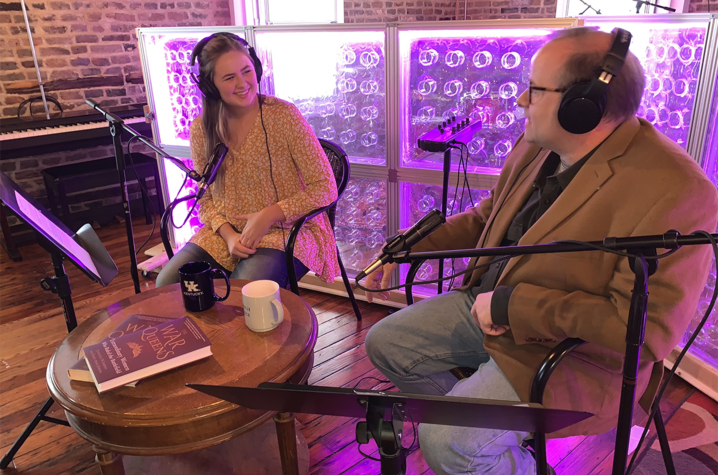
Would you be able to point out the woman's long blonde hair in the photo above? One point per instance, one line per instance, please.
(215, 117)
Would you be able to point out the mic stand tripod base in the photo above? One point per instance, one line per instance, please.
(387, 435)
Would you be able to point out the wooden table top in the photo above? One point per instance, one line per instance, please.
(240, 357)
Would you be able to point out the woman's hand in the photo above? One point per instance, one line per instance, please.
(258, 225)
(379, 279)
(236, 248)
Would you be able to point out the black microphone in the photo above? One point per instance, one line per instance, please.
(404, 242)
(211, 169)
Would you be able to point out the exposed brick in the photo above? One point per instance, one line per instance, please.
(184, 5)
(58, 40)
(59, 6)
(31, 64)
(98, 28)
(87, 39)
(54, 30)
(176, 16)
(71, 95)
(78, 27)
(118, 5)
(105, 49)
(115, 92)
(202, 5)
(150, 6)
(8, 65)
(14, 100)
(38, 6)
(121, 59)
(64, 74)
(8, 166)
(167, 6)
(56, 62)
(71, 17)
(93, 93)
(116, 38)
(151, 16)
(54, 51)
(129, 47)
(79, 49)
(27, 164)
(199, 15)
(100, 61)
(89, 72)
(121, 16)
(115, 70)
(93, 16)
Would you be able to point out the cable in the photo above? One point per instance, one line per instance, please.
(659, 394)
(146, 193)
(380, 381)
(271, 172)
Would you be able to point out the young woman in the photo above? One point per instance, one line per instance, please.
(274, 173)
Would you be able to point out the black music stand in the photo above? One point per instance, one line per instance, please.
(83, 249)
(385, 412)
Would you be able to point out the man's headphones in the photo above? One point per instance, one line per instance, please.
(205, 84)
(584, 103)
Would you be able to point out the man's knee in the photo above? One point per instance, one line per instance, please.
(375, 342)
(437, 448)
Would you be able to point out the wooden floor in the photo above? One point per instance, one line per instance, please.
(32, 327)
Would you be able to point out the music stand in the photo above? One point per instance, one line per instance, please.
(83, 249)
(385, 412)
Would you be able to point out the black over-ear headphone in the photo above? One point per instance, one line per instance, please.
(584, 103)
(204, 83)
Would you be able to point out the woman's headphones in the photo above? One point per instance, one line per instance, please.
(204, 83)
(584, 103)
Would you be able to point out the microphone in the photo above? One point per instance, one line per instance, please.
(211, 169)
(403, 242)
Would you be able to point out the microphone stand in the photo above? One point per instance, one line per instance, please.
(117, 126)
(641, 246)
(640, 3)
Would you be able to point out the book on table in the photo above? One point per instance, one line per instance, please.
(152, 350)
(81, 372)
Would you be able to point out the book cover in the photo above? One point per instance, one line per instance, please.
(152, 350)
(80, 372)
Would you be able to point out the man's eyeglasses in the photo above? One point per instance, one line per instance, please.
(545, 89)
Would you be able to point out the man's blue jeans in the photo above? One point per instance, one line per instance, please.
(416, 348)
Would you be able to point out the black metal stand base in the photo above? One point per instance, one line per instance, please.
(387, 435)
(59, 284)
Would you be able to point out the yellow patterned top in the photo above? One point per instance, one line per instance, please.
(304, 181)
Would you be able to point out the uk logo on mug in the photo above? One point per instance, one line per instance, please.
(197, 280)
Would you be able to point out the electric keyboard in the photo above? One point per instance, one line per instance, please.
(23, 138)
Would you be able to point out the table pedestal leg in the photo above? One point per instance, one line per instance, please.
(110, 463)
(287, 443)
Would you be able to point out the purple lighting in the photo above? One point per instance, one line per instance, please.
(479, 74)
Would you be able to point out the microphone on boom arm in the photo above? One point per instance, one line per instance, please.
(404, 242)
(213, 166)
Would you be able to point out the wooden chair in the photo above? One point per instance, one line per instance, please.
(548, 365)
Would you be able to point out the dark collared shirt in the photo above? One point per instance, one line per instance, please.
(548, 186)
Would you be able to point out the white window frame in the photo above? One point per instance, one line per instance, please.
(681, 6)
(256, 12)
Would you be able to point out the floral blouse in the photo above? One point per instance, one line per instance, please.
(302, 175)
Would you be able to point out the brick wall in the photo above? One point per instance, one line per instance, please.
(84, 50)
(703, 6)
(431, 10)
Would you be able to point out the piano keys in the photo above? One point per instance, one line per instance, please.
(88, 128)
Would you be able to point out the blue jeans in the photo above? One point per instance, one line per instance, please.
(265, 264)
(416, 348)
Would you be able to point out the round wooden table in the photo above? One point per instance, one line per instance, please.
(161, 416)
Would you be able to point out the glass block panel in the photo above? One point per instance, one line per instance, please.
(337, 80)
(416, 201)
(360, 226)
(671, 55)
(476, 73)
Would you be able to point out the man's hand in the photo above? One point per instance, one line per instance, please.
(379, 279)
(236, 248)
(481, 311)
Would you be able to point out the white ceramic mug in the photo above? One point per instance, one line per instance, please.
(263, 309)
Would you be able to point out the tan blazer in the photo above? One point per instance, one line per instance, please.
(637, 183)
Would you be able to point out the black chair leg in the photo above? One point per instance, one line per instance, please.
(348, 286)
(663, 441)
(539, 446)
